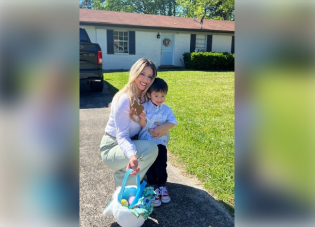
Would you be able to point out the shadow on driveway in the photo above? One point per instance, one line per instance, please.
(189, 207)
(90, 99)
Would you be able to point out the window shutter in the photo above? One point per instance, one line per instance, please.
(110, 41)
(132, 42)
(192, 42)
(209, 43)
(232, 46)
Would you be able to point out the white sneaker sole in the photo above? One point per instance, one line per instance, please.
(166, 200)
(157, 204)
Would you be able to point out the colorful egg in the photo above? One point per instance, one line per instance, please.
(131, 198)
(124, 203)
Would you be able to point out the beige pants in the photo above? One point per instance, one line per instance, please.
(115, 159)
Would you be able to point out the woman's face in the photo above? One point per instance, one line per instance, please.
(144, 79)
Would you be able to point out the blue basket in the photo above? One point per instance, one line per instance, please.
(125, 193)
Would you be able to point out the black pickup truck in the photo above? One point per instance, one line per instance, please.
(90, 62)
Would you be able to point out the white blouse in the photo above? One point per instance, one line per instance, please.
(121, 126)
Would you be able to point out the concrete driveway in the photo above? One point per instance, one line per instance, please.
(191, 205)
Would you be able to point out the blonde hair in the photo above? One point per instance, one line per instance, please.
(131, 87)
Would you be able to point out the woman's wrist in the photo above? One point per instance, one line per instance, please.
(130, 153)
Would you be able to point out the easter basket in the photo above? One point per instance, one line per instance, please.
(137, 203)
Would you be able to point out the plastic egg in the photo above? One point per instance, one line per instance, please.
(124, 203)
(131, 198)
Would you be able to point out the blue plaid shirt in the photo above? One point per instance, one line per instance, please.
(161, 114)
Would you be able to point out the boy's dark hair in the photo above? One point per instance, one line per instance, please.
(158, 85)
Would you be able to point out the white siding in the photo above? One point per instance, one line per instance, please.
(182, 45)
(101, 39)
(148, 46)
(221, 43)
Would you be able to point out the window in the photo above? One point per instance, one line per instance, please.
(84, 36)
(200, 43)
(121, 42)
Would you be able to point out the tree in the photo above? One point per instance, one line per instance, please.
(144, 6)
(167, 7)
(224, 10)
(211, 9)
(157, 7)
(86, 4)
(98, 4)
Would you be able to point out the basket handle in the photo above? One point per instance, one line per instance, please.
(138, 194)
(129, 171)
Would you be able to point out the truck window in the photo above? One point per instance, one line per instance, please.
(84, 36)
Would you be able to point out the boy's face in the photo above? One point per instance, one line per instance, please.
(157, 97)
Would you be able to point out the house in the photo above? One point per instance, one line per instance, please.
(126, 37)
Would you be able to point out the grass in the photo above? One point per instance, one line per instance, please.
(203, 140)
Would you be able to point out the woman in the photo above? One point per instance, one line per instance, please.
(119, 149)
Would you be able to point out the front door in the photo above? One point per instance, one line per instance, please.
(167, 49)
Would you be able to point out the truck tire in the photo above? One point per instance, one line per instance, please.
(97, 86)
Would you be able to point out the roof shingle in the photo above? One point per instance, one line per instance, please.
(147, 20)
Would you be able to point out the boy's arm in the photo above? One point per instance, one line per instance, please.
(162, 129)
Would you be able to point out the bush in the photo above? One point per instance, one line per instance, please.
(209, 61)
(187, 60)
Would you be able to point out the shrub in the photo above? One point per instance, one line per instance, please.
(209, 61)
(187, 60)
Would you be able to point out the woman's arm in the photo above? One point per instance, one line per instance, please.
(122, 122)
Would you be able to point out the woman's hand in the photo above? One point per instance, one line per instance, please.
(160, 130)
(142, 115)
(133, 164)
(142, 120)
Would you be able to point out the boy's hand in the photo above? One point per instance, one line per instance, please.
(160, 130)
(156, 133)
(142, 115)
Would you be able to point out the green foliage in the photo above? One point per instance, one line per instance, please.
(166, 7)
(187, 60)
(86, 4)
(161, 7)
(211, 9)
(209, 61)
(98, 4)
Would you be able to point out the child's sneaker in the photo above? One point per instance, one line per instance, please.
(157, 201)
(165, 197)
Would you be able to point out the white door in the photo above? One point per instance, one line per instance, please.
(167, 49)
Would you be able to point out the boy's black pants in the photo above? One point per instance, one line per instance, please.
(157, 175)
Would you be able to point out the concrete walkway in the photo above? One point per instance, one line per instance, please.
(191, 205)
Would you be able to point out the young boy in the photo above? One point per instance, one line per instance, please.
(155, 111)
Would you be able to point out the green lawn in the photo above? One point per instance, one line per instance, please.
(203, 140)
